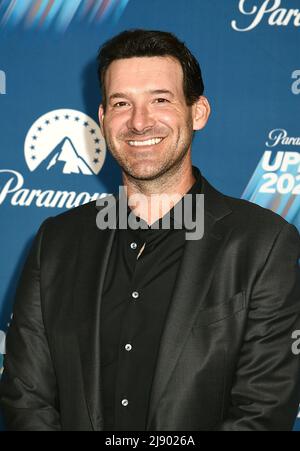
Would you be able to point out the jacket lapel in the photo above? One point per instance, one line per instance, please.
(93, 257)
(195, 276)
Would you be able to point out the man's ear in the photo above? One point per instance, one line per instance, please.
(201, 113)
(101, 118)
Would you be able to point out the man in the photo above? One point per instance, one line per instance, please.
(143, 329)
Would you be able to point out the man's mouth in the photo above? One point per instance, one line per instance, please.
(149, 142)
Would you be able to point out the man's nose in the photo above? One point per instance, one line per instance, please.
(140, 119)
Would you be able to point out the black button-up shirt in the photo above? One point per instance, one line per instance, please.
(137, 292)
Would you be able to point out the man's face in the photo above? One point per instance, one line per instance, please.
(147, 125)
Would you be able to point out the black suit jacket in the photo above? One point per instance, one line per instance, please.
(225, 360)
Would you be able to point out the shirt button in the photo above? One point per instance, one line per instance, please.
(125, 402)
(135, 294)
(133, 245)
(128, 347)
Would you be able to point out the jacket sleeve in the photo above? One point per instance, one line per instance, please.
(28, 393)
(266, 391)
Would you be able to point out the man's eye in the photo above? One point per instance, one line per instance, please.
(119, 104)
(161, 100)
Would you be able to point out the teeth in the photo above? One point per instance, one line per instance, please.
(150, 142)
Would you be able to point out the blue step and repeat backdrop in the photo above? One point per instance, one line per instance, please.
(52, 154)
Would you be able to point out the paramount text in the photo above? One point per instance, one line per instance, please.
(12, 190)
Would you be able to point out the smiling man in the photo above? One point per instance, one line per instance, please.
(124, 329)
(147, 129)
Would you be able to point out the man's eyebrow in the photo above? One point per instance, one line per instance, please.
(162, 91)
(118, 95)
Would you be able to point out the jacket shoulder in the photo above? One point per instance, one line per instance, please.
(70, 224)
(255, 215)
(258, 228)
(84, 212)
(245, 215)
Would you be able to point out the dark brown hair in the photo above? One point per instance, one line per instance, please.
(141, 43)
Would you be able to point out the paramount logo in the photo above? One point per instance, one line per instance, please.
(279, 136)
(66, 142)
(67, 160)
(269, 9)
(12, 190)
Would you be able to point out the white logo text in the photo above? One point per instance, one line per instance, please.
(280, 17)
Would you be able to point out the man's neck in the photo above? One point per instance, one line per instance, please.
(151, 200)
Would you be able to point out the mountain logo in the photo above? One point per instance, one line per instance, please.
(65, 141)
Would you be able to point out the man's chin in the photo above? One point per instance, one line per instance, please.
(144, 172)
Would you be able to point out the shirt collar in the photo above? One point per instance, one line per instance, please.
(195, 189)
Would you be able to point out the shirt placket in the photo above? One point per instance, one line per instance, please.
(124, 399)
